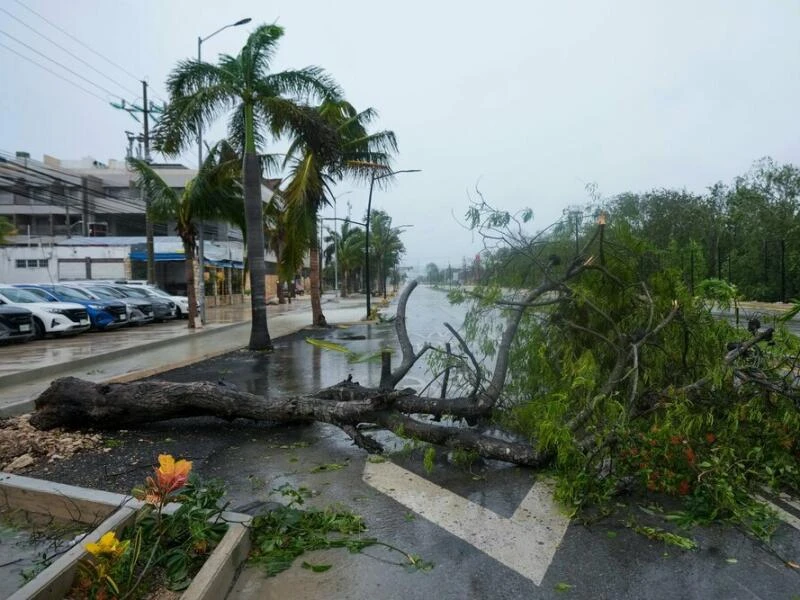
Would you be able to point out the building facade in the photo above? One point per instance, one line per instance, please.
(86, 220)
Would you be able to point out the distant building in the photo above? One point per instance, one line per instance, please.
(79, 219)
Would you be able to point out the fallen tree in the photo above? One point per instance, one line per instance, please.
(602, 367)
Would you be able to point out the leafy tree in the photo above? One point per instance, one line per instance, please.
(214, 194)
(260, 103)
(622, 376)
(432, 272)
(315, 168)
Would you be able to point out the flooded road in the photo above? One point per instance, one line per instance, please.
(297, 367)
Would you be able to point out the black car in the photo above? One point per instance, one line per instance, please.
(16, 324)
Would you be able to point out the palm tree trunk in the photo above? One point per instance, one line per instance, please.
(259, 334)
(188, 252)
(317, 318)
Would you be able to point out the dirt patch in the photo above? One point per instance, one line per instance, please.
(22, 445)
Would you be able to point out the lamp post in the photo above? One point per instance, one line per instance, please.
(201, 237)
(372, 181)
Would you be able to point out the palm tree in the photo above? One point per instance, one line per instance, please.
(386, 246)
(6, 229)
(288, 259)
(260, 103)
(214, 194)
(314, 168)
(349, 249)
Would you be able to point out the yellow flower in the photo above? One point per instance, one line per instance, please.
(172, 474)
(108, 545)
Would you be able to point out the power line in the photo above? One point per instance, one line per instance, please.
(72, 37)
(68, 34)
(72, 54)
(41, 66)
(66, 68)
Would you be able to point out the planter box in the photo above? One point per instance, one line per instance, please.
(113, 512)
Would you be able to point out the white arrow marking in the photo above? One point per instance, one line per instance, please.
(526, 542)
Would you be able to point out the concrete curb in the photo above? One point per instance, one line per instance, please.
(71, 366)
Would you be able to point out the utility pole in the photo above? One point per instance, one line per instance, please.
(147, 111)
(148, 220)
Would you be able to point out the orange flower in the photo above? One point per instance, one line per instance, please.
(711, 438)
(683, 487)
(171, 474)
(690, 456)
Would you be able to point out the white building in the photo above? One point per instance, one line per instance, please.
(86, 220)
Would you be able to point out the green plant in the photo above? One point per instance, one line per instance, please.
(283, 534)
(160, 546)
(429, 459)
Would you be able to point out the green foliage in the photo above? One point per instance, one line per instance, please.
(429, 459)
(283, 534)
(656, 533)
(745, 232)
(6, 230)
(620, 373)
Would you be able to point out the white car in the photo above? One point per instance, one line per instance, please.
(48, 317)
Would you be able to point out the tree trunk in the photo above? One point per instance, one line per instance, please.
(191, 294)
(259, 334)
(317, 318)
(281, 293)
(72, 402)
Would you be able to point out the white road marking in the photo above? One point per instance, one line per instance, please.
(526, 542)
(784, 515)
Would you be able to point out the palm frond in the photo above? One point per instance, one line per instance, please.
(301, 122)
(216, 192)
(198, 92)
(164, 201)
(305, 84)
(259, 50)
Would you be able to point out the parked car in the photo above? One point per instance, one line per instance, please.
(16, 324)
(48, 317)
(163, 308)
(104, 314)
(181, 302)
(140, 312)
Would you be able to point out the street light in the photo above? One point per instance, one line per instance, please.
(201, 237)
(372, 181)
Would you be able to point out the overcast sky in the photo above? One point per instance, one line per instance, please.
(529, 99)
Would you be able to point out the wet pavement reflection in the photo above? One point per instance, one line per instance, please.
(297, 367)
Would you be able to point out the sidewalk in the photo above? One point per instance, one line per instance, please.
(127, 354)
